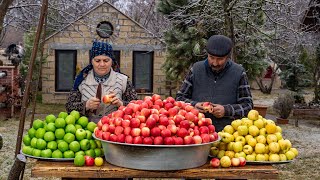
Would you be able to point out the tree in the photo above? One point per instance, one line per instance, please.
(4, 5)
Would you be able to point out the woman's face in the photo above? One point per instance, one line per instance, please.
(102, 64)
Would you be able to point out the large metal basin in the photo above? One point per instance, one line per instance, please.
(156, 157)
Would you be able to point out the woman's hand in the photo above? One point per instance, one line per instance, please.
(115, 100)
(218, 110)
(93, 103)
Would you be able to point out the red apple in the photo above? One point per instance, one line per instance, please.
(135, 123)
(182, 112)
(127, 131)
(106, 99)
(118, 130)
(166, 133)
(195, 112)
(190, 116)
(105, 127)
(235, 162)
(151, 122)
(128, 139)
(188, 108)
(118, 113)
(172, 128)
(162, 127)
(121, 138)
(242, 161)
(105, 120)
(215, 162)
(112, 127)
(125, 123)
(163, 120)
(139, 101)
(128, 111)
(177, 140)
(99, 125)
(162, 111)
(168, 141)
(197, 139)
(212, 128)
(178, 118)
(155, 97)
(121, 108)
(117, 121)
(137, 140)
(89, 161)
(144, 105)
(185, 124)
(188, 140)
(207, 107)
(98, 133)
(182, 132)
(158, 140)
(204, 130)
(156, 107)
(173, 111)
(205, 138)
(155, 131)
(145, 112)
(135, 132)
(168, 106)
(147, 140)
(170, 99)
(113, 138)
(145, 131)
(159, 103)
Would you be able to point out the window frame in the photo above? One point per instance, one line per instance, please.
(74, 52)
(134, 54)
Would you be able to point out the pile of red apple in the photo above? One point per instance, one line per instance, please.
(158, 122)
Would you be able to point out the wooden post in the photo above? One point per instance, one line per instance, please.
(39, 73)
(29, 75)
(17, 168)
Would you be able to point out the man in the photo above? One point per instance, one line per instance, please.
(220, 81)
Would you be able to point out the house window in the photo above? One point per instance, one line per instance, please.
(65, 69)
(143, 71)
(104, 29)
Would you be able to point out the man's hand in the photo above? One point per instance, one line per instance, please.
(93, 103)
(115, 100)
(218, 110)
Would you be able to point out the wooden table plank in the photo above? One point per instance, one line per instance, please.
(68, 170)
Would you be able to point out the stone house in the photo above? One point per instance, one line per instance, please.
(139, 53)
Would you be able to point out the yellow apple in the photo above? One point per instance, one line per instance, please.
(266, 149)
(271, 138)
(283, 157)
(247, 137)
(226, 137)
(223, 146)
(230, 146)
(246, 122)
(221, 154)
(261, 139)
(290, 155)
(269, 121)
(240, 154)
(215, 144)
(295, 151)
(285, 145)
(259, 148)
(252, 142)
(229, 129)
(267, 156)
(236, 134)
(225, 161)
(250, 157)
(271, 128)
(236, 123)
(279, 129)
(259, 123)
(274, 157)
(274, 147)
(279, 135)
(260, 157)
(243, 130)
(263, 131)
(254, 130)
(241, 139)
(253, 115)
(237, 146)
(230, 154)
(247, 149)
(214, 151)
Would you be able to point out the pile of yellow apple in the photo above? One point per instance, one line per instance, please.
(254, 138)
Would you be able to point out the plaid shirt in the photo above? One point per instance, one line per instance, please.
(239, 110)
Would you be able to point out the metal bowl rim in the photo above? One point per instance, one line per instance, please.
(164, 146)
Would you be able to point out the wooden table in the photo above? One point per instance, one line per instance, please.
(68, 170)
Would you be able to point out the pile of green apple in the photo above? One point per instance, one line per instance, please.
(64, 136)
(254, 138)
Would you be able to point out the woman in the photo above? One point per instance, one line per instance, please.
(99, 79)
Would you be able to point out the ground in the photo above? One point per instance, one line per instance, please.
(306, 138)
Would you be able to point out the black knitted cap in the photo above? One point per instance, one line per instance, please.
(219, 45)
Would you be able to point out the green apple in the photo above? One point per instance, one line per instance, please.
(63, 146)
(70, 119)
(259, 148)
(237, 146)
(63, 115)
(40, 133)
(60, 123)
(243, 130)
(68, 154)
(47, 153)
(98, 152)
(36, 153)
(274, 147)
(41, 144)
(75, 114)
(89, 134)
(83, 121)
(33, 142)
(274, 157)
(31, 132)
(214, 151)
(84, 144)
(78, 126)
(26, 140)
(236, 123)
(50, 118)
(254, 130)
(81, 134)
(59, 133)
(70, 128)
(228, 129)
(93, 144)
(91, 126)
(27, 150)
(79, 160)
(80, 153)
(37, 124)
(49, 136)
(50, 127)
(74, 146)
(271, 138)
(57, 154)
(247, 149)
(90, 152)
(261, 139)
(53, 145)
(69, 137)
